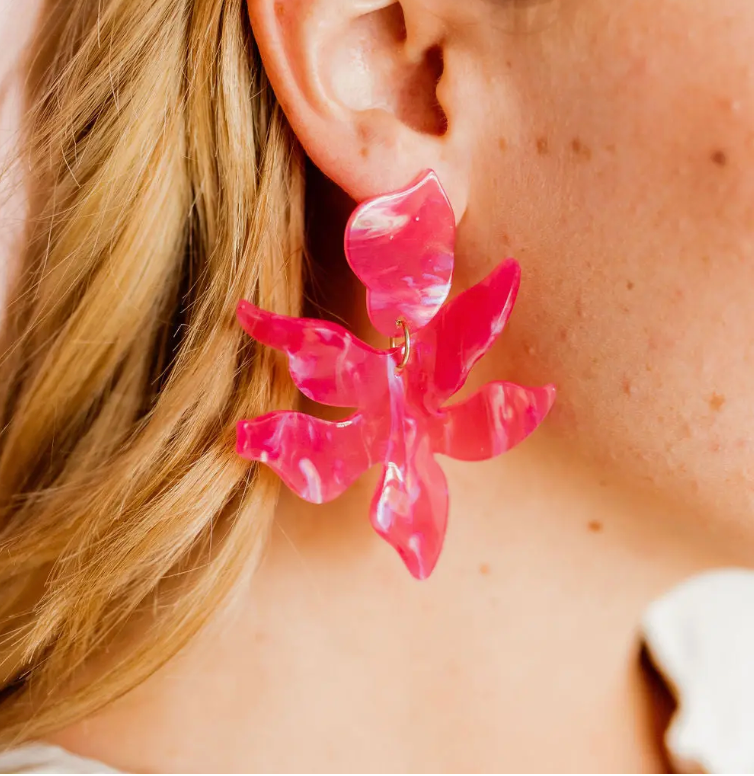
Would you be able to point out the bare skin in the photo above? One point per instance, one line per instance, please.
(608, 147)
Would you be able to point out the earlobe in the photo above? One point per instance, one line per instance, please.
(358, 81)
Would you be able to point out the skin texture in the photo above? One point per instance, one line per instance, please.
(607, 146)
(646, 234)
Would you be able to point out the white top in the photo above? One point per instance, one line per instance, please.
(701, 638)
(43, 758)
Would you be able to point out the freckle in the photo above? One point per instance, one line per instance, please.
(365, 132)
(720, 158)
(503, 144)
(706, 261)
(509, 64)
(579, 308)
(484, 569)
(726, 103)
(280, 10)
(610, 148)
(686, 431)
(364, 151)
(594, 526)
(543, 146)
(563, 334)
(630, 285)
(260, 638)
(581, 150)
(716, 402)
(603, 483)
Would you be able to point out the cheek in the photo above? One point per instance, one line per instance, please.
(626, 194)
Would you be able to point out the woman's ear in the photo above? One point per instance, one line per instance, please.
(361, 84)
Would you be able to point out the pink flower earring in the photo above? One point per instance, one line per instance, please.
(401, 248)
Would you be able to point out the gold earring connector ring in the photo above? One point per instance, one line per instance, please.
(406, 349)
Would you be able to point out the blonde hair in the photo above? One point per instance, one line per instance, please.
(166, 185)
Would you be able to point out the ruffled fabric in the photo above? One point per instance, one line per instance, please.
(700, 637)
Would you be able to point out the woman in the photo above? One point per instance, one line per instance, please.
(181, 155)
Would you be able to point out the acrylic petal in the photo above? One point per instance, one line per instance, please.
(492, 421)
(401, 248)
(327, 363)
(410, 508)
(463, 331)
(316, 459)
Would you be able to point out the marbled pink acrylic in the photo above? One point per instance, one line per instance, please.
(401, 247)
